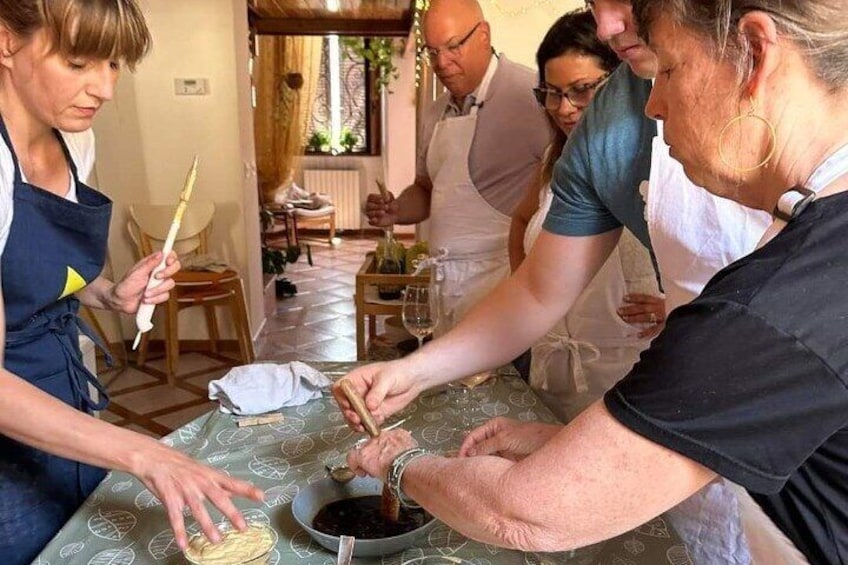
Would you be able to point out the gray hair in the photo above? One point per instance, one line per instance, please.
(818, 27)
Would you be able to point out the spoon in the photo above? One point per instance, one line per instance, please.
(341, 473)
(345, 550)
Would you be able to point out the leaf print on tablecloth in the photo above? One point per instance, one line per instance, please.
(217, 457)
(40, 561)
(528, 416)
(297, 446)
(146, 499)
(335, 435)
(436, 400)
(273, 557)
(124, 556)
(122, 486)
(432, 416)
(410, 555)
(303, 545)
(634, 546)
(188, 433)
(492, 549)
(163, 545)
(256, 516)
(94, 500)
(493, 409)
(71, 549)
(524, 399)
(290, 426)
(446, 540)
(282, 494)
(437, 435)
(274, 468)
(311, 408)
(335, 417)
(656, 528)
(111, 524)
(619, 560)
(678, 555)
(539, 559)
(169, 441)
(232, 436)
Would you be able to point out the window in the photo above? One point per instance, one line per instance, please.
(344, 115)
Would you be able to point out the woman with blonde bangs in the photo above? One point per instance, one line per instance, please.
(59, 62)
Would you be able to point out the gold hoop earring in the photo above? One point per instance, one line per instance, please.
(737, 119)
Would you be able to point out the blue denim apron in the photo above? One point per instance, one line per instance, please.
(55, 248)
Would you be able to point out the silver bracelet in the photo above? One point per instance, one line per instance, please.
(395, 474)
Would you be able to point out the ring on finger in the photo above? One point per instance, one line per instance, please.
(653, 318)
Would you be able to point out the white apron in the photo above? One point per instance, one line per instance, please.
(694, 233)
(592, 348)
(472, 232)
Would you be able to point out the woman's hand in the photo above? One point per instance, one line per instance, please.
(644, 309)
(381, 212)
(131, 291)
(507, 438)
(375, 457)
(385, 388)
(179, 482)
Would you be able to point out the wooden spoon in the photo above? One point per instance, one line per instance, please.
(390, 507)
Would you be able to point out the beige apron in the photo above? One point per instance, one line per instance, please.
(470, 234)
(592, 348)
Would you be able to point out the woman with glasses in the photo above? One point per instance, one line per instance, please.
(592, 347)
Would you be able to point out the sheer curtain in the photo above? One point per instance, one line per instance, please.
(286, 79)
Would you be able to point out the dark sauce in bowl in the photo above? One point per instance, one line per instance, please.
(360, 517)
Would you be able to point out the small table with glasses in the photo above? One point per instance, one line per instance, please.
(369, 305)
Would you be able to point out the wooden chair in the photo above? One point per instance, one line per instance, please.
(325, 215)
(148, 227)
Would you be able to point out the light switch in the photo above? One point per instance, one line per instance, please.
(191, 86)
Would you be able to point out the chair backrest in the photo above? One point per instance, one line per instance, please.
(149, 225)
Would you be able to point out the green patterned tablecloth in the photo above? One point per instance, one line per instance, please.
(122, 523)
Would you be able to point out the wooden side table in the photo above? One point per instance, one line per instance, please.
(367, 280)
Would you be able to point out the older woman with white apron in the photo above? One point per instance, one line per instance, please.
(471, 233)
(695, 234)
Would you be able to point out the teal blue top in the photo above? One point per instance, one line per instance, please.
(596, 180)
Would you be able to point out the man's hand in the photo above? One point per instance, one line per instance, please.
(381, 212)
(180, 482)
(507, 438)
(385, 388)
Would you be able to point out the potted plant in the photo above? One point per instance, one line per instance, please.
(274, 260)
(348, 140)
(319, 142)
(377, 51)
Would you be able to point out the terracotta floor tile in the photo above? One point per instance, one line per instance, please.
(127, 378)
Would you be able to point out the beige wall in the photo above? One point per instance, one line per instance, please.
(517, 34)
(147, 136)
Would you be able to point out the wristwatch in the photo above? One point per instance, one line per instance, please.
(395, 474)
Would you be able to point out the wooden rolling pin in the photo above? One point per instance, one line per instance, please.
(390, 507)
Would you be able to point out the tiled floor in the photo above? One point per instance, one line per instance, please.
(317, 324)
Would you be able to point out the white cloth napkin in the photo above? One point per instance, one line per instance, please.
(263, 387)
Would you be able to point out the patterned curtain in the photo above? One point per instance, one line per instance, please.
(286, 79)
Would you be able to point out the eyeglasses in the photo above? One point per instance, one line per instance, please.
(452, 50)
(578, 96)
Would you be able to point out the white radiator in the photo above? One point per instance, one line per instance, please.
(343, 188)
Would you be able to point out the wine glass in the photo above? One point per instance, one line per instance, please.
(420, 313)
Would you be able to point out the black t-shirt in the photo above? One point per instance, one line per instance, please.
(749, 379)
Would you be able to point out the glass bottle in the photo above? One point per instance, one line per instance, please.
(388, 263)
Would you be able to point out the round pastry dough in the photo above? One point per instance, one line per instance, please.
(250, 546)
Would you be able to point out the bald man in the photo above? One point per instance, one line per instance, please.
(481, 143)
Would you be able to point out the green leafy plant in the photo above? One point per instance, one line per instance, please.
(348, 140)
(319, 141)
(377, 51)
